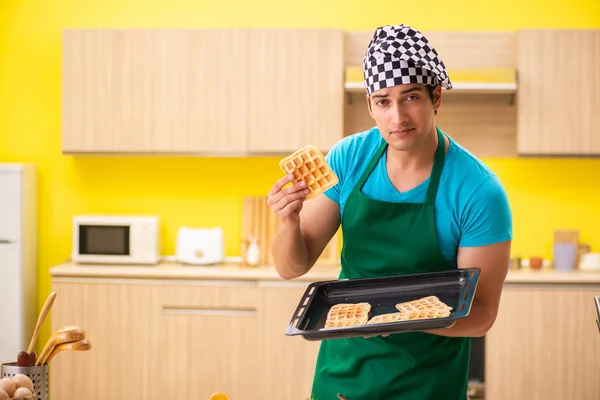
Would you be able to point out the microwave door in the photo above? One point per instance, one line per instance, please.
(110, 240)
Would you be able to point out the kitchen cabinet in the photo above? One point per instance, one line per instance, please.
(155, 339)
(288, 361)
(296, 92)
(121, 322)
(558, 92)
(186, 332)
(544, 345)
(201, 91)
(154, 90)
(208, 340)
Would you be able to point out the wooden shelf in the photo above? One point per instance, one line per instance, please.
(458, 87)
(464, 80)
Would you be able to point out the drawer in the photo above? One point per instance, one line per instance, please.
(214, 297)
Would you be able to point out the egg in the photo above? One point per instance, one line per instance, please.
(23, 393)
(8, 385)
(4, 395)
(23, 381)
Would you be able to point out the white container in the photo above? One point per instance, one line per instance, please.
(253, 252)
(590, 262)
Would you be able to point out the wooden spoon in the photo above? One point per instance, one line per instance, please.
(80, 345)
(27, 359)
(66, 334)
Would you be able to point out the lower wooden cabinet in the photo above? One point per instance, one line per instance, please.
(545, 344)
(286, 362)
(157, 340)
(182, 341)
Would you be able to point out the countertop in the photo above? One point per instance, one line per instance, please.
(320, 272)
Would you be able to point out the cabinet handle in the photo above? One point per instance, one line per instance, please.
(5, 241)
(209, 311)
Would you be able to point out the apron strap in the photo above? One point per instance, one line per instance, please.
(371, 165)
(438, 165)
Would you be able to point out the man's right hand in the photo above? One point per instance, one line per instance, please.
(287, 203)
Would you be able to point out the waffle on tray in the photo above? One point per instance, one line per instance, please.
(410, 316)
(423, 304)
(347, 314)
(308, 164)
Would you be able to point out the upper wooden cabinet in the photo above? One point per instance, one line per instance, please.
(296, 89)
(558, 102)
(201, 91)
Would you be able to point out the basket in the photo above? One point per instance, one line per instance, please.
(38, 375)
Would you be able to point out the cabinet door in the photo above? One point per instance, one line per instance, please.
(154, 90)
(208, 340)
(558, 92)
(544, 345)
(119, 322)
(289, 377)
(295, 89)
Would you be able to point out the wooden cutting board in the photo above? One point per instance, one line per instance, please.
(260, 222)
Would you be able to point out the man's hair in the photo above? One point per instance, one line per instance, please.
(430, 89)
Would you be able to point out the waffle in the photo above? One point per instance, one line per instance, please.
(383, 318)
(308, 164)
(410, 316)
(345, 314)
(423, 304)
(425, 314)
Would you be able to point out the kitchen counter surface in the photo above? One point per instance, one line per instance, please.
(321, 272)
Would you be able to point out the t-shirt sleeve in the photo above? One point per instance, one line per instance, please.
(487, 218)
(336, 159)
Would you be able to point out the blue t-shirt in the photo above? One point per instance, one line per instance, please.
(471, 206)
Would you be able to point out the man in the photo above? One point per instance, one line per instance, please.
(410, 199)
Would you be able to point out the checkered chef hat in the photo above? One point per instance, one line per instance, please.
(400, 55)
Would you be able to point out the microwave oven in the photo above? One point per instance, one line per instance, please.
(114, 239)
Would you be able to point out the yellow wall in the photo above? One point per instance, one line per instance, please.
(545, 194)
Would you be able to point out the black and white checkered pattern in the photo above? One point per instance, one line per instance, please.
(398, 55)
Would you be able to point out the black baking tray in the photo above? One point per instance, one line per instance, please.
(454, 287)
(597, 304)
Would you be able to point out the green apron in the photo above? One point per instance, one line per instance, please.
(382, 239)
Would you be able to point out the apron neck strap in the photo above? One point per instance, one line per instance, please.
(438, 164)
(371, 166)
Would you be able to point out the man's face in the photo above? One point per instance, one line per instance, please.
(404, 114)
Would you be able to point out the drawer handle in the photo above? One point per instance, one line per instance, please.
(209, 311)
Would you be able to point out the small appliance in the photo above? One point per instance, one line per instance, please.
(116, 239)
(200, 246)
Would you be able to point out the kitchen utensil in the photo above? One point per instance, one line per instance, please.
(63, 335)
(455, 287)
(80, 345)
(597, 304)
(200, 246)
(536, 262)
(27, 359)
(565, 256)
(253, 252)
(590, 262)
(39, 375)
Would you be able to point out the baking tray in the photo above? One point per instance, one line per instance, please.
(454, 287)
(597, 304)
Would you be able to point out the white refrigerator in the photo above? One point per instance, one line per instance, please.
(18, 258)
